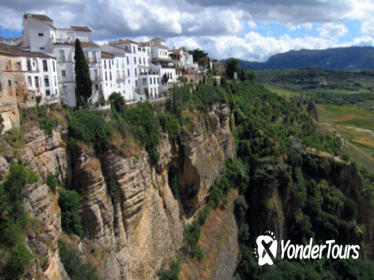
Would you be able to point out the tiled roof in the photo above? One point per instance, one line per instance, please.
(38, 17)
(81, 28)
(158, 39)
(144, 44)
(14, 51)
(106, 55)
(126, 41)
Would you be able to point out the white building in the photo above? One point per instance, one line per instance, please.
(36, 71)
(40, 34)
(135, 70)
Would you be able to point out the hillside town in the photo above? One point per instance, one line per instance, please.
(38, 68)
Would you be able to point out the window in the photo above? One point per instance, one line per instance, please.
(123, 73)
(55, 81)
(45, 66)
(110, 75)
(28, 65)
(135, 60)
(106, 76)
(62, 55)
(40, 34)
(128, 61)
(63, 73)
(140, 60)
(37, 82)
(9, 83)
(54, 66)
(128, 72)
(15, 83)
(46, 81)
(42, 48)
(136, 73)
(118, 76)
(150, 81)
(133, 48)
(1, 87)
(143, 61)
(48, 92)
(144, 81)
(104, 64)
(29, 81)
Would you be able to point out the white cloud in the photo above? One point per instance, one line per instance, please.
(253, 46)
(367, 27)
(252, 24)
(332, 30)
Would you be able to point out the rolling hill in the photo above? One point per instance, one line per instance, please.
(335, 58)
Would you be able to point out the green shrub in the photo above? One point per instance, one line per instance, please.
(117, 102)
(170, 124)
(171, 273)
(203, 214)
(69, 201)
(18, 260)
(349, 209)
(47, 125)
(89, 127)
(240, 207)
(74, 266)
(145, 128)
(52, 181)
(14, 219)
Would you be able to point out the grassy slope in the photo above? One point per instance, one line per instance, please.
(354, 123)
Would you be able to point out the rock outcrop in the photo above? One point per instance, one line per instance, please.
(132, 224)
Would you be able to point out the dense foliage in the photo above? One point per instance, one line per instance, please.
(69, 201)
(171, 273)
(89, 127)
(271, 137)
(52, 181)
(141, 121)
(74, 266)
(82, 76)
(13, 221)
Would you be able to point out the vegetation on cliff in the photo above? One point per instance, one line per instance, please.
(13, 222)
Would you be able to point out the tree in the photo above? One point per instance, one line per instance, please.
(231, 67)
(200, 56)
(164, 79)
(83, 88)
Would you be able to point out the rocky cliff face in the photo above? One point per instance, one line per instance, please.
(133, 225)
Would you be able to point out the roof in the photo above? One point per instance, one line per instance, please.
(38, 17)
(81, 28)
(14, 51)
(120, 42)
(157, 39)
(144, 44)
(161, 59)
(106, 55)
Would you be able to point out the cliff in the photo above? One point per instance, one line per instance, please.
(132, 224)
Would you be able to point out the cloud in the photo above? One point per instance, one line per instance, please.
(332, 30)
(223, 28)
(253, 46)
(367, 27)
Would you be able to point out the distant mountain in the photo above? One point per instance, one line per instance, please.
(336, 58)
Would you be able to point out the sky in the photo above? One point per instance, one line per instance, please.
(247, 29)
